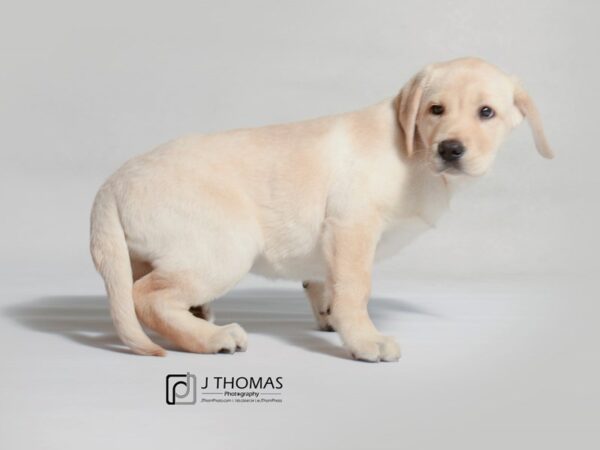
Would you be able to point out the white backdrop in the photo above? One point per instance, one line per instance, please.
(83, 87)
(86, 87)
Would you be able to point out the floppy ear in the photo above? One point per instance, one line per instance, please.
(408, 104)
(525, 105)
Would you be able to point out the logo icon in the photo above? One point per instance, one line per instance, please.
(181, 389)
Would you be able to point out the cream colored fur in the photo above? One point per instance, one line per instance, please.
(317, 201)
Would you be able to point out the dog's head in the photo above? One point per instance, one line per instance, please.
(459, 112)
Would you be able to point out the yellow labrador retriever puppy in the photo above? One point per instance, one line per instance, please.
(317, 201)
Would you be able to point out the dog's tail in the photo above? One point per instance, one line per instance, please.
(111, 258)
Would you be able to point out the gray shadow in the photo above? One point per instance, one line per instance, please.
(282, 314)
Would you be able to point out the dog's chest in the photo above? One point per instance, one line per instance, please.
(422, 210)
(399, 235)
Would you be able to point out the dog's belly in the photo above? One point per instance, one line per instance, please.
(300, 269)
(312, 265)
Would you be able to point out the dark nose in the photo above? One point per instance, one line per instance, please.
(451, 150)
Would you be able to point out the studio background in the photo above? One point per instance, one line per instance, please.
(494, 308)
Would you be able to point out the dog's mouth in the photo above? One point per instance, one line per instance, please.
(455, 168)
(452, 169)
(448, 168)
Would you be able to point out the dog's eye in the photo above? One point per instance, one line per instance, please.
(485, 112)
(436, 110)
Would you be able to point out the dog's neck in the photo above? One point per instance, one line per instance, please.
(431, 191)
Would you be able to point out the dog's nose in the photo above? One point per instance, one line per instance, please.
(451, 150)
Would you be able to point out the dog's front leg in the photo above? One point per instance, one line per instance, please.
(349, 250)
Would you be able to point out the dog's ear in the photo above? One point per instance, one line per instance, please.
(408, 103)
(527, 108)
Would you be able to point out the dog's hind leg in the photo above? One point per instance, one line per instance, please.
(139, 268)
(162, 303)
(315, 291)
(203, 312)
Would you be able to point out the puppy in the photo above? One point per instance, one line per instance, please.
(317, 201)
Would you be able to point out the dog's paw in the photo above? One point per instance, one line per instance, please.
(374, 349)
(229, 339)
(323, 320)
(314, 291)
(325, 326)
